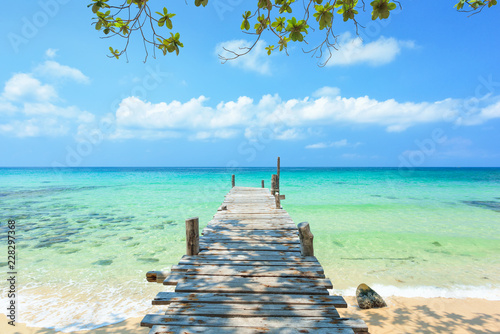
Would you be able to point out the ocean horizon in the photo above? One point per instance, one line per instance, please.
(86, 236)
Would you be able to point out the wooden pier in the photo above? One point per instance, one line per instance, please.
(249, 273)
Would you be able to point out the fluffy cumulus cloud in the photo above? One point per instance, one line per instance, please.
(273, 117)
(31, 108)
(352, 51)
(255, 61)
(22, 86)
(53, 69)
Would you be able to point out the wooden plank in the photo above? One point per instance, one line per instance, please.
(249, 256)
(250, 253)
(270, 285)
(270, 233)
(209, 232)
(254, 271)
(190, 329)
(264, 215)
(254, 223)
(253, 310)
(263, 322)
(247, 240)
(250, 264)
(251, 227)
(249, 246)
(165, 298)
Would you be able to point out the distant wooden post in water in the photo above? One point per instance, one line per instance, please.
(233, 181)
(192, 236)
(306, 239)
(263, 184)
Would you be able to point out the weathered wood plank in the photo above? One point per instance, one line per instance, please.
(248, 264)
(165, 298)
(247, 240)
(270, 285)
(249, 256)
(209, 232)
(253, 227)
(262, 322)
(251, 271)
(240, 310)
(173, 329)
(249, 246)
(250, 253)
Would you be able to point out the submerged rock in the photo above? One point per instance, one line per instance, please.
(126, 238)
(148, 260)
(368, 298)
(492, 205)
(437, 244)
(103, 262)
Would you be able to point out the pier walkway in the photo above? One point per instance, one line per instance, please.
(248, 277)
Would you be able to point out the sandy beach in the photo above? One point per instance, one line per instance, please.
(403, 315)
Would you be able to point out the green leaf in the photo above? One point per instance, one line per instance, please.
(381, 9)
(200, 2)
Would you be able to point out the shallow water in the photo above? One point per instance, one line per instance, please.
(86, 237)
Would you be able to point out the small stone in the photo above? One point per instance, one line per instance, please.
(126, 238)
(368, 298)
(437, 244)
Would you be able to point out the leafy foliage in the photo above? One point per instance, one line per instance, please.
(280, 18)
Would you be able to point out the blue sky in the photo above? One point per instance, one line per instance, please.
(420, 89)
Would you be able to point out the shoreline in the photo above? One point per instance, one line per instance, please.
(403, 315)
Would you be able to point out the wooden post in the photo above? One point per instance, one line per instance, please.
(233, 181)
(192, 236)
(278, 176)
(263, 184)
(306, 239)
(277, 200)
(273, 184)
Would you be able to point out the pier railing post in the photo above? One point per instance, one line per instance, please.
(263, 184)
(273, 184)
(233, 181)
(306, 239)
(278, 176)
(192, 236)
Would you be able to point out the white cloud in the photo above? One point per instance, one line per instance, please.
(327, 92)
(192, 114)
(51, 53)
(23, 86)
(218, 134)
(31, 108)
(255, 61)
(274, 118)
(35, 127)
(336, 144)
(53, 69)
(352, 50)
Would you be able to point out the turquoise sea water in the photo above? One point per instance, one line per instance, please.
(87, 236)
